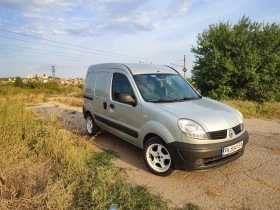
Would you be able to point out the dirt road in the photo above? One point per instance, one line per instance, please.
(251, 182)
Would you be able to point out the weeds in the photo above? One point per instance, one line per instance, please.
(249, 109)
(43, 166)
(72, 101)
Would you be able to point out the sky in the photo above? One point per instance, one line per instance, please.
(72, 35)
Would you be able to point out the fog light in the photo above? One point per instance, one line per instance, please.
(199, 162)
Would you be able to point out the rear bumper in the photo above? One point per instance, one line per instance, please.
(195, 157)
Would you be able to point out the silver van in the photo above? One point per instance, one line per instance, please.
(154, 108)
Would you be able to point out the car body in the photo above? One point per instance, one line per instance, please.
(154, 108)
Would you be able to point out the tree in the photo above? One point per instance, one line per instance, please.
(240, 61)
(18, 82)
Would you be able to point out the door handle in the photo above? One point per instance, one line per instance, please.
(112, 106)
(105, 105)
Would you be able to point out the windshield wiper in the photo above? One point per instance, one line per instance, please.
(188, 98)
(162, 100)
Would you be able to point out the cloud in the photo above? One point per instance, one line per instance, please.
(81, 32)
(115, 8)
(183, 6)
(113, 1)
(59, 32)
(124, 16)
(37, 4)
(79, 19)
(60, 19)
(179, 8)
(28, 15)
(37, 16)
(130, 24)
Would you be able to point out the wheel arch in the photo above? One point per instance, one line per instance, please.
(151, 135)
(86, 113)
(153, 128)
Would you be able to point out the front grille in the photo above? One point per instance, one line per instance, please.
(222, 134)
(237, 129)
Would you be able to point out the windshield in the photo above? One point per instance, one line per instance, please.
(164, 88)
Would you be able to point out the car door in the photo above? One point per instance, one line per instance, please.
(126, 119)
(100, 99)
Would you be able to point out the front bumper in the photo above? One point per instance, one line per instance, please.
(192, 157)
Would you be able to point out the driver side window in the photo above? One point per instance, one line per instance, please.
(120, 85)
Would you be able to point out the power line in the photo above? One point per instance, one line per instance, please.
(46, 53)
(51, 45)
(35, 56)
(74, 45)
(176, 65)
(56, 46)
(77, 56)
(54, 58)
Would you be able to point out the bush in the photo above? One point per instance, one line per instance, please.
(240, 61)
(18, 82)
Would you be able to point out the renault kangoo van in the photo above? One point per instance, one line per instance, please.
(154, 108)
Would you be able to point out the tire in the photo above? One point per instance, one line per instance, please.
(91, 126)
(157, 157)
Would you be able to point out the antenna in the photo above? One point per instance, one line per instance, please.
(185, 69)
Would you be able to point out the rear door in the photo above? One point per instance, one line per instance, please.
(126, 120)
(100, 99)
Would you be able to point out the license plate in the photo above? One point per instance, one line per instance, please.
(232, 149)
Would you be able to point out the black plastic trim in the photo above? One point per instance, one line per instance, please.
(172, 68)
(196, 157)
(84, 111)
(117, 126)
(88, 97)
(245, 136)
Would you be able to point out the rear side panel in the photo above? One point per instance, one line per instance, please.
(88, 92)
(100, 97)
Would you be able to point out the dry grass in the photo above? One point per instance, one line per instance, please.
(72, 101)
(29, 98)
(43, 166)
(249, 109)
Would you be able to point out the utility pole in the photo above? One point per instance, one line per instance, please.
(185, 69)
(53, 71)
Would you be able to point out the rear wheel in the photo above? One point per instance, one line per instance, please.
(157, 157)
(91, 126)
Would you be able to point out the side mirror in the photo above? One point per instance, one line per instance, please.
(127, 99)
(199, 91)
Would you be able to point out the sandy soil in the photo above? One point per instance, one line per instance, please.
(251, 182)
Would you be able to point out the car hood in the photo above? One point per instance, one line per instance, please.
(211, 114)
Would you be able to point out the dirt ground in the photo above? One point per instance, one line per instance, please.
(251, 182)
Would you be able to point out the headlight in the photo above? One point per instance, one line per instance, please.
(192, 129)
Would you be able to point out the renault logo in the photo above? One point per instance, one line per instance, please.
(230, 132)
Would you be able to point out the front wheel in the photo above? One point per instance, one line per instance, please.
(92, 128)
(157, 157)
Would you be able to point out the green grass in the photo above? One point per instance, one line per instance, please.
(249, 109)
(43, 166)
